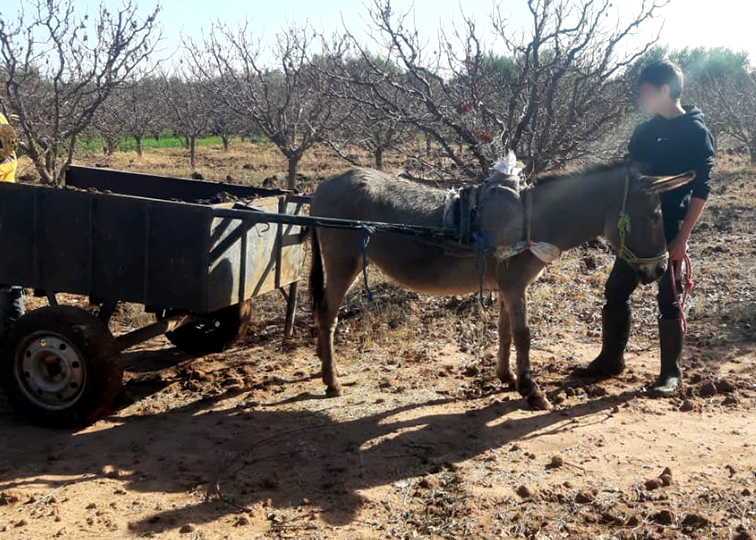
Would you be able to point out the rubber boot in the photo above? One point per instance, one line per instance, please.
(615, 333)
(671, 345)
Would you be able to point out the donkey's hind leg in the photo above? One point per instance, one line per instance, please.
(503, 371)
(340, 273)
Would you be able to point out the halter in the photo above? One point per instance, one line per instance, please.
(623, 227)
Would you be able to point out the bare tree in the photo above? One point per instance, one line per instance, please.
(133, 109)
(370, 128)
(555, 92)
(141, 111)
(723, 83)
(223, 123)
(736, 104)
(57, 67)
(276, 90)
(731, 105)
(188, 105)
(106, 123)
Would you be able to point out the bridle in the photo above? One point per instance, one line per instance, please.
(626, 254)
(623, 227)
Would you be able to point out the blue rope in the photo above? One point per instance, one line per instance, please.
(365, 232)
(480, 243)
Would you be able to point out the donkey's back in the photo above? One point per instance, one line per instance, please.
(370, 195)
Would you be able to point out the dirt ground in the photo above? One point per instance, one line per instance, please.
(425, 444)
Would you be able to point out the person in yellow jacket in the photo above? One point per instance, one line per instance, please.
(8, 144)
(11, 297)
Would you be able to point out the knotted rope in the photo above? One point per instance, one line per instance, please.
(687, 286)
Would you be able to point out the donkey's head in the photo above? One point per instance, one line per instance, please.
(635, 229)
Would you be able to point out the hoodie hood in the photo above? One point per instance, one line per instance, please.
(692, 114)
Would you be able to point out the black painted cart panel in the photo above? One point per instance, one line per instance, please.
(160, 251)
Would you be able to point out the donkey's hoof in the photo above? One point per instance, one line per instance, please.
(507, 378)
(538, 401)
(334, 391)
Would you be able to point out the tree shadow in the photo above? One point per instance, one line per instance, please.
(255, 454)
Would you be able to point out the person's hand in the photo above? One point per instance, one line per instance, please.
(678, 247)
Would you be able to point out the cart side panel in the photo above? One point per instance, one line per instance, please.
(62, 251)
(177, 267)
(292, 255)
(262, 266)
(246, 254)
(241, 254)
(228, 242)
(262, 272)
(16, 234)
(119, 248)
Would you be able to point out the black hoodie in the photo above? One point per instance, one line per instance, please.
(673, 146)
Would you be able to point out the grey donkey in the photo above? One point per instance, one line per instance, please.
(567, 210)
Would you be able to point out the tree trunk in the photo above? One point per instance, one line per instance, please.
(224, 138)
(291, 180)
(378, 154)
(192, 151)
(138, 145)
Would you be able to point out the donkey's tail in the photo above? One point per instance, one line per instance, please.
(317, 288)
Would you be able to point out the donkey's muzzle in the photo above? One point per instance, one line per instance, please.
(648, 273)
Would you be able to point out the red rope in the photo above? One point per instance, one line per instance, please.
(687, 284)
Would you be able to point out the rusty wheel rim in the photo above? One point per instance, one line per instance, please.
(50, 371)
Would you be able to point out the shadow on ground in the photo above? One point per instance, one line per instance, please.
(257, 453)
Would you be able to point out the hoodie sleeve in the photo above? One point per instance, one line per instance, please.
(702, 146)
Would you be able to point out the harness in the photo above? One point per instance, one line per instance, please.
(460, 209)
(544, 251)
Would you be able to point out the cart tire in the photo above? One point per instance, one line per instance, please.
(60, 367)
(216, 335)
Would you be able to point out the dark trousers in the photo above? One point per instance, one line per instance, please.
(623, 281)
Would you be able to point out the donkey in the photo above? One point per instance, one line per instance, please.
(566, 211)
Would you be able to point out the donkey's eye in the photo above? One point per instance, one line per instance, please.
(656, 215)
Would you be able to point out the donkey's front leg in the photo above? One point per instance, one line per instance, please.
(527, 387)
(503, 370)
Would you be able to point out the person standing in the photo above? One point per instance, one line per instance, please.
(673, 141)
(11, 297)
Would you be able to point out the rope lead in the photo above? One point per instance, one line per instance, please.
(687, 286)
(366, 231)
(481, 249)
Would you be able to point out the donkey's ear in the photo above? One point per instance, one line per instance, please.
(659, 184)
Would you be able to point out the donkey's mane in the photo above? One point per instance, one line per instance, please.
(587, 171)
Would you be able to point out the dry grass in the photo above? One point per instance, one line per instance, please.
(245, 163)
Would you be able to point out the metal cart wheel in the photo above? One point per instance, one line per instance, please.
(216, 333)
(60, 367)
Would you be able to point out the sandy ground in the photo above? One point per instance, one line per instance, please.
(425, 444)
